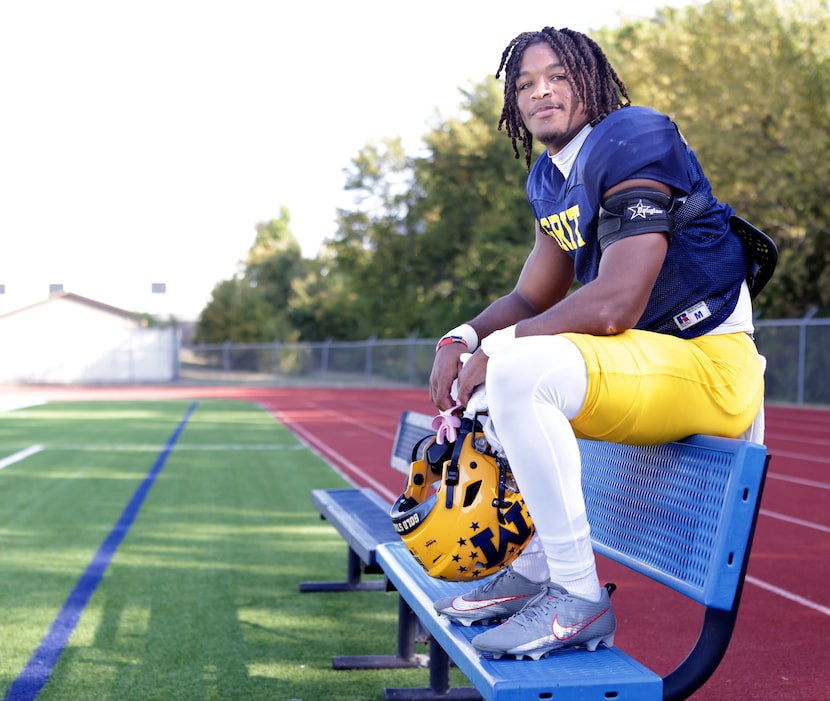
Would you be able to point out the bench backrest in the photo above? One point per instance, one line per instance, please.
(413, 427)
(680, 513)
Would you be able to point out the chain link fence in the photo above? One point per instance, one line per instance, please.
(400, 362)
(797, 352)
(798, 359)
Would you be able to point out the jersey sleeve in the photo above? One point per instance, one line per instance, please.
(636, 142)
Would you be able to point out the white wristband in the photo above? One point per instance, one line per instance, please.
(468, 333)
(498, 339)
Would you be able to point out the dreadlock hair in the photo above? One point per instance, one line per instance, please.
(591, 77)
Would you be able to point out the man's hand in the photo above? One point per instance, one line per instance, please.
(445, 369)
(471, 376)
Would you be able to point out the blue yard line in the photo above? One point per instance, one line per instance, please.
(34, 676)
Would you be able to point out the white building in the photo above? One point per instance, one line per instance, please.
(69, 339)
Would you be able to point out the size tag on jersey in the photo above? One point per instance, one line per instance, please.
(692, 316)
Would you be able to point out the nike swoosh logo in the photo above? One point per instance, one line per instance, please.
(461, 604)
(563, 633)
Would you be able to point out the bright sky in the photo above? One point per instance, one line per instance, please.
(141, 141)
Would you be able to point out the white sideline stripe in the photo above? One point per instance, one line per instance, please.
(20, 455)
(789, 595)
(787, 436)
(147, 447)
(796, 521)
(799, 480)
(20, 403)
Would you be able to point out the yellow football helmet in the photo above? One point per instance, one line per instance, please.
(461, 515)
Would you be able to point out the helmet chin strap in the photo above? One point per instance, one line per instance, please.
(501, 503)
(453, 473)
(451, 477)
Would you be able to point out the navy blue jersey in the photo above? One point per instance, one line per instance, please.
(698, 286)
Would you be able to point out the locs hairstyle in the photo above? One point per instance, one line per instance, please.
(591, 77)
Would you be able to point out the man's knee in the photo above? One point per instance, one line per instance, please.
(549, 369)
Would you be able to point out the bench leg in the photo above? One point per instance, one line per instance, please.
(408, 631)
(439, 682)
(353, 582)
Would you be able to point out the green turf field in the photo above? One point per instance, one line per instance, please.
(200, 599)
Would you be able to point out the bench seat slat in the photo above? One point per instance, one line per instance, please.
(360, 516)
(569, 675)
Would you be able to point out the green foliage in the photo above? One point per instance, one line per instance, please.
(275, 261)
(478, 228)
(253, 307)
(436, 237)
(238, 312)
(323, 305)
(376, 246)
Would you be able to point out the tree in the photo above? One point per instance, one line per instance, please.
(376, 245)
(274, 261)
(435, 238)
(432, 239)
(478, 225)
(236, 312)
(254, 307)
(324, 305)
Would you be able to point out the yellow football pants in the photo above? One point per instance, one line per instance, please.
(647, 388)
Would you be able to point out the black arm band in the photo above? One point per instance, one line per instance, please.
(634, 212)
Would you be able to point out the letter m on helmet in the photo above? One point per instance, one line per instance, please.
(494, 553)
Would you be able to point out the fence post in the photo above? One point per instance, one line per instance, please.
(226, 355)
(802, 353)
(370, 345)
(275, 358)
(324, 359)
(176, 343)
(412, 338)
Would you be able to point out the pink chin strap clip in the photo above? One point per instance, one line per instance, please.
(446, 425)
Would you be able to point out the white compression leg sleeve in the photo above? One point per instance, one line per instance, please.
(535, 385)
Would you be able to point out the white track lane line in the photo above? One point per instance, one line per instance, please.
(796, 521)
(799, 480)
(789, 595)
(339, 463)
(20, 455)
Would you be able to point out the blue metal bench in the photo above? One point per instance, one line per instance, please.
(682, 514)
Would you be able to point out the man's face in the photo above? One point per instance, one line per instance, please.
(549, 108)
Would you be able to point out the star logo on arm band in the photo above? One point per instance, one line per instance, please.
(644, 211)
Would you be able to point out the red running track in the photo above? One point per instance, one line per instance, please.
(781, 646)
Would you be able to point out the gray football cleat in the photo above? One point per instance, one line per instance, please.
(496, 599)
(552, 620)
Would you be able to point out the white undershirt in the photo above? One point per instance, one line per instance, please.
(741, 317)
(564, 160)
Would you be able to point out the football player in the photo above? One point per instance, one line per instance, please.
(655, 343)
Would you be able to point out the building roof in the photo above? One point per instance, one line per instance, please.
(77, 299)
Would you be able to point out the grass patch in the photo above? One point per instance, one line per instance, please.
(201, 600)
